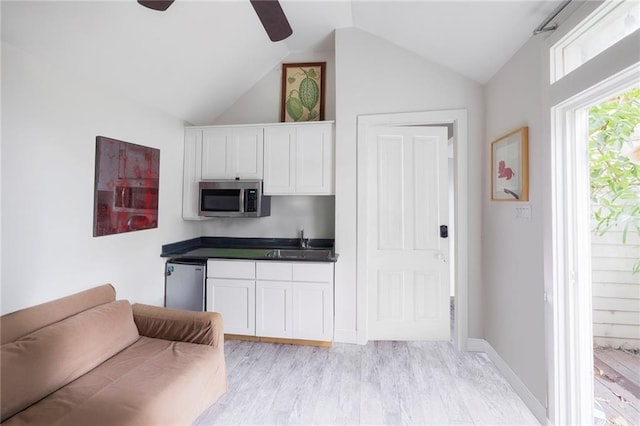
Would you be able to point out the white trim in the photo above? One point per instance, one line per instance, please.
(459, 119)
(279, 124)
(537, 409)
(559, 65)
(620, 56)
(568, 314)
(560, 303)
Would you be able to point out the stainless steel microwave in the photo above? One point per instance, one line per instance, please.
(233, 198)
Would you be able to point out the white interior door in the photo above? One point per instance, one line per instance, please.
(406, 204)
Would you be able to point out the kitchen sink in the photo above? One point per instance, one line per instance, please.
(300, 254)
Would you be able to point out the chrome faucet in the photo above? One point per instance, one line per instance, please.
(304, 242)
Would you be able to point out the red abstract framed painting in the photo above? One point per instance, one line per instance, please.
(126, 187)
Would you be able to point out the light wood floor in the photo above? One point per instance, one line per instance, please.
(391, 383)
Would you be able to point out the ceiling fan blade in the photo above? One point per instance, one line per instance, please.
(160, 5)
(273, 19)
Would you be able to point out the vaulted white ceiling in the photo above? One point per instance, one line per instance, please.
(198, 57)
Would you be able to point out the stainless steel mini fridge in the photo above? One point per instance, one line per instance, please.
(184, 285)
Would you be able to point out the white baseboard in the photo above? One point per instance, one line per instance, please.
(345, 336)
(538, 410)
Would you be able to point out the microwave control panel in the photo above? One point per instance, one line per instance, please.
(251, 200)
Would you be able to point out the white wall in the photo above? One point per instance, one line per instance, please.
(49, 123)
(289, 214)
(513, 261)
(261, 103)
(374, 76)
(517, 254)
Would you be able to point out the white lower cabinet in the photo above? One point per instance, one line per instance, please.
(312, 309)
(273, 309)
(294, 300)
(235, 300)
(231, 291)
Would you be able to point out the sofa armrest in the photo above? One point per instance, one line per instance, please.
(205, 328)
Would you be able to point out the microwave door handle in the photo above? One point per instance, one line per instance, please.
(242, 200)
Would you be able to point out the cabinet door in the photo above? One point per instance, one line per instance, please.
(273, 309)
(217, 144)
(192, 173)
(312, 311)
(279, 160)
(235, 300)
(246, 161)
(314, 159)
(229, 153)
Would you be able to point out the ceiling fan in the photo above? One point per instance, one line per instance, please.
(269, 12)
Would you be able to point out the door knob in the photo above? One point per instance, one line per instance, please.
(440, 256)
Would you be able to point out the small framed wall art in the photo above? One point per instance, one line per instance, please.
(510, 166)
(302, 92)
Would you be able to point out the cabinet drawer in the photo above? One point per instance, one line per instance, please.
(313, 272)
(231, 269)
(279, 271)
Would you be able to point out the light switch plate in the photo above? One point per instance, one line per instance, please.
(523, 212)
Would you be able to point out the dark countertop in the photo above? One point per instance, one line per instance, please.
(245, 248)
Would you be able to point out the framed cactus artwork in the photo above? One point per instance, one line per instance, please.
(302, 92)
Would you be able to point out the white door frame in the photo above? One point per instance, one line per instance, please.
(568, 294)
(458, 118)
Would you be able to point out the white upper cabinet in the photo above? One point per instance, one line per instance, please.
(292, 159)
(314, 159)
(217, 145)
(298, 159)
(232, 152)
(192, 173)
(280, 160)
(248, 152)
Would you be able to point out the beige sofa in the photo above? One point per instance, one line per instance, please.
(88, 359)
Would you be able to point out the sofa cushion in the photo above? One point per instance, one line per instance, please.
(25, 321)
(152, 382)
(41, 362)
